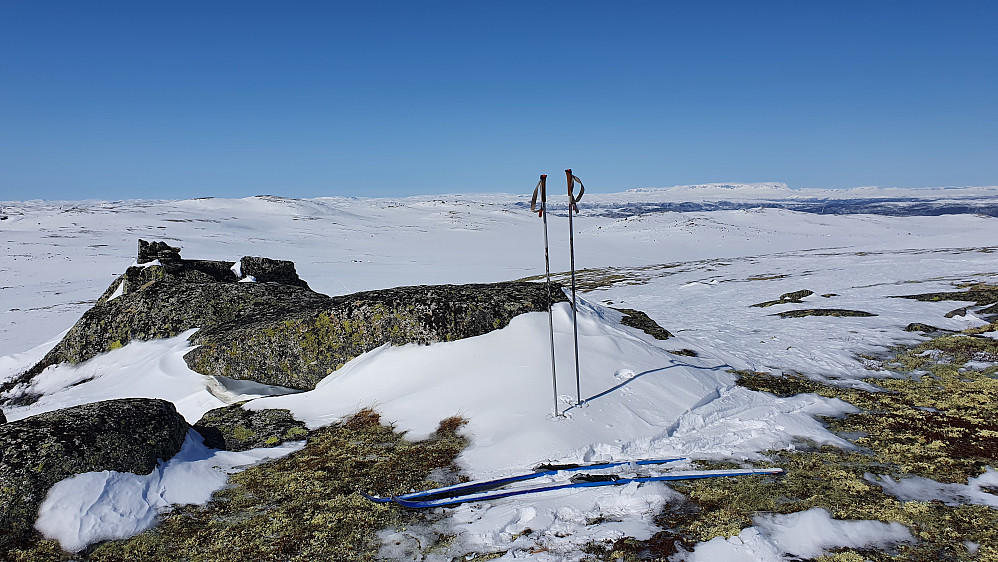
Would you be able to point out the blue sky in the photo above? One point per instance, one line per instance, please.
(181, 99)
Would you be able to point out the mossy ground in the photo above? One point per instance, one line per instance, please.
(302, 507)
(938, 419)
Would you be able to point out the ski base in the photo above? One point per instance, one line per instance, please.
(545, 470)
(584, 483)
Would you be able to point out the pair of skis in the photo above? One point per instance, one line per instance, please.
(542, 212)
(488, 489)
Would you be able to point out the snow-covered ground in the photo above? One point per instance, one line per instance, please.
(696, 273)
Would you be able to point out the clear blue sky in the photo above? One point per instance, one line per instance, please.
(138, 99)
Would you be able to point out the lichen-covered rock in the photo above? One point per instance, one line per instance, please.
(641, 321)
(839, 312)
(298, 347)
(152, 251)
(796, 296)
(233, 428)
(277, 332)
(266, 270)
(919, 327)
(981, 295)
(962, 311)
(792, 297)
(125, 435)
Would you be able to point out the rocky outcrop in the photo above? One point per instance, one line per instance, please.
(298, 346)
(641, 321)
(233, 428)
(919, 327)
(266, 270)
(839, 312)
(3, 418)
(275, 330)
(792, 297)
(126, 435)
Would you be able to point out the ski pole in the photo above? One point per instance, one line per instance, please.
(572, 199)
(541, 212)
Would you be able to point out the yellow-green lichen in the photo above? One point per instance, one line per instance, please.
(305, 506)
(937, 419)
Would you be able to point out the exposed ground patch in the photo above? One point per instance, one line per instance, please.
(302, 507)
(938, 420)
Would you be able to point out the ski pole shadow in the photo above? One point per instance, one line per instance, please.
(622, 384)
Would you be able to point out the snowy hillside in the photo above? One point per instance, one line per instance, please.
(694, 258)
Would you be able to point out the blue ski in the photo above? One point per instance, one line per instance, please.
(467, 487)
(604, 481)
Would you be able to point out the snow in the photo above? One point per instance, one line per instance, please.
(141, 369)
(695, 273)
(805, 535)
(925, 489)
(96, 506)
(507, 396)
(117, 292)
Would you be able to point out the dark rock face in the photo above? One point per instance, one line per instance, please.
(842, 313)
(297, 346)
(266, 270)
(982, 295)
(3, 418)
(793, 297)
(157, 251)
(919, 327)
(232, 428)
(126, 435)
(641, 321)
(796, 296)
(276, 332)
(962, 311)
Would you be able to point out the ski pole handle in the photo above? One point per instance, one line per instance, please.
(542, 188)
(572, 198)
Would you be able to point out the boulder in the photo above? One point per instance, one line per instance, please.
(232, 428)
(919, 327)
(785, 298)
(152, 251)
(266, 270)
(298, 346)
(640, 320)
(125, 435)
(277, 331)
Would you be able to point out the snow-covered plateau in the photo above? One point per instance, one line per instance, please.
(694, 258)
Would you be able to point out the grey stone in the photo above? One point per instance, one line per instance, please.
(298, 346)
(279, 332)
(233, 428)
(266, 270)
(641, 321)
(957, 312)
(796, 296)
(842, 313)
(785, 298)
(151, 251)
(126, 435)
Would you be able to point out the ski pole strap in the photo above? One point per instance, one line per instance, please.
(572, 198)
(542, 189)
